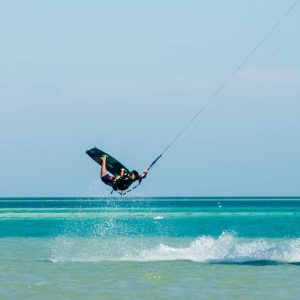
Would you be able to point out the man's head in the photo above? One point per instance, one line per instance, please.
(133, 175)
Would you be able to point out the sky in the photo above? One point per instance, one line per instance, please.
(127, 76)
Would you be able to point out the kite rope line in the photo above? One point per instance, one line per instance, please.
(215, 94)
(224, 84)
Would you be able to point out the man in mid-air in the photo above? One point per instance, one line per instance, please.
(123, 180)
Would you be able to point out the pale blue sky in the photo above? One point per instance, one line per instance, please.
(127, 76)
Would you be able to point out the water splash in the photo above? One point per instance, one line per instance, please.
(227, 248)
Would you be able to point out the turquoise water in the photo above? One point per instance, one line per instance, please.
(149, 248)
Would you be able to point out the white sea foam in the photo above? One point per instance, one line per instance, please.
(227, 248)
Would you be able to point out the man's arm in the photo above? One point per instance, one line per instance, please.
(144, 174)
(103, 166)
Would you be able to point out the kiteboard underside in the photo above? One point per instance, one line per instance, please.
(112, 165)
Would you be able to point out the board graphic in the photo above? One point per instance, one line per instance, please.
(112, 165)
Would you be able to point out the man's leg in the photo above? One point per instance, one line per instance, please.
(106, 178)
(103, 167)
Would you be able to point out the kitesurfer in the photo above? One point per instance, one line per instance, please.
(123, 180)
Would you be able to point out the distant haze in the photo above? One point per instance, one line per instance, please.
(127, 76)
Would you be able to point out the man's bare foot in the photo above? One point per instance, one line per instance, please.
(103, 158)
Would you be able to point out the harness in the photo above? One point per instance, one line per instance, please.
(130, 181)
(122, 183)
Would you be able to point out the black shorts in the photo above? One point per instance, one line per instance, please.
(108, 179)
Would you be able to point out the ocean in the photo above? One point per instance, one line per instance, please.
(150, 248)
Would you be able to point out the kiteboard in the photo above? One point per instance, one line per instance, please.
(112, 165)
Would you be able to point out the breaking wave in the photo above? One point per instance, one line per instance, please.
(227, 248)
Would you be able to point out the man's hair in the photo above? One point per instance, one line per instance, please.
(135, 173)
